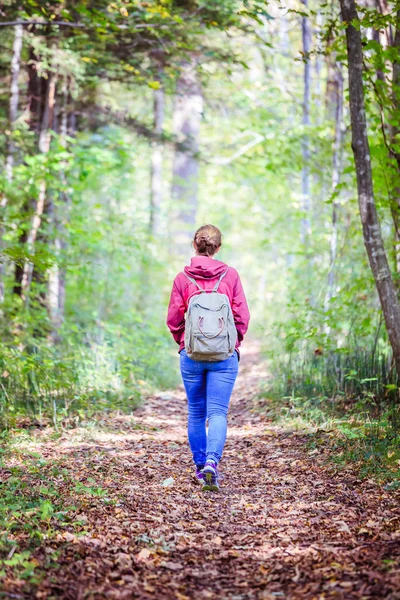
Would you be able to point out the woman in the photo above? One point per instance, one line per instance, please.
(208, 385)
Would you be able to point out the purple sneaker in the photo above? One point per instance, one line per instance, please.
(199, 477)
(210, 477)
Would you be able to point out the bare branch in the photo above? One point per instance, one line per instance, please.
(257, 139)
(81, 25)
(36, 22)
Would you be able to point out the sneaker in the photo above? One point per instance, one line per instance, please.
(199, 477)
(210, 477)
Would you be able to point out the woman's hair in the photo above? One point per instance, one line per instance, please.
(207, 240)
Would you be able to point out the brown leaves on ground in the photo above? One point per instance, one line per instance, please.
(285, 525)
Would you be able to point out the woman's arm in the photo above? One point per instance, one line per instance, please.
(176, 314)
(240, 309)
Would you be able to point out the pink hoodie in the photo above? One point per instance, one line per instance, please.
(206, 271)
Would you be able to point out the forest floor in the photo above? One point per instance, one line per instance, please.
(286, 523)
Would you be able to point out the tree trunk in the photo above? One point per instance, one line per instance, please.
(14, 97)
(37, 86)
(318, 71)
(44, 146)
(369, 217)
(305, 173)
(12, 117)
(186, 120)
(394, 134)
(60, 218)
(336, 169)
(376, 36)
(156, 178)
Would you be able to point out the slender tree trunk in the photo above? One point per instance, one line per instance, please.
(37, 86)
(62, 279)
(394, 135)
(12, 117)
(14, 97)
(336, 170)
(156, 178)
(376, 36)
(318, 70)
(44, 146)
(305, 173)
(187, 118)
(56, 281)
(369, 217)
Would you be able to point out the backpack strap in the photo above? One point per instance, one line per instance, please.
(216, 286)
(192, 280)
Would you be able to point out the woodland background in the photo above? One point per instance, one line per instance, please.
(125, 125)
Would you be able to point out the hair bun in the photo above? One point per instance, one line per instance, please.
(207, 240)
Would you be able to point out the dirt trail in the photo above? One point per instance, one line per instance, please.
(285, 525)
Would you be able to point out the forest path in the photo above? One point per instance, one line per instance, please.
(284, 525)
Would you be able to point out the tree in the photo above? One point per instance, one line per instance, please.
(369, 217)
(156, 176)
(13, 113)
(187, 118)
(335, 99)
(305, 176)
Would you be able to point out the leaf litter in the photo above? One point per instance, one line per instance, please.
(286, 523)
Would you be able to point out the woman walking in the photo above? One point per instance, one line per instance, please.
(210, 294)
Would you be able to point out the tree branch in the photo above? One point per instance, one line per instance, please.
(81, 25)
(257, 139)
(36, 22)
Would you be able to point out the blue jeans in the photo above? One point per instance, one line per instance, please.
(208, 388)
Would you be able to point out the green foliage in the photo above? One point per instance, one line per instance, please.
(348, 401)
(112, 343)
(32, 509)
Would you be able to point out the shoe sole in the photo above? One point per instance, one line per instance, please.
(210, 484)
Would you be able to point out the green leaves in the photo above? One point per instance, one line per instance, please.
(46, 510)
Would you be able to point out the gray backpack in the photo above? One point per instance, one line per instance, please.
(210, 330)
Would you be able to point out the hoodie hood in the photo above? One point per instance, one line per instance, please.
(203, 267)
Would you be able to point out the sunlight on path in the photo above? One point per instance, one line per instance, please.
(284, 525)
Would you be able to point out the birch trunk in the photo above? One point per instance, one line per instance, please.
(71, 129)
(305, 173)
(12, 117)
(369, 217)
(14, 98)
(186, 120)
(318, 69)
(156, 177)
(60, 215)
(336, 170)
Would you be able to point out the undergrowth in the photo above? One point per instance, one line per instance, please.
(42, 383)
(42, 508)
(349, 404)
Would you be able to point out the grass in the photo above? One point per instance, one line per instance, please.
(371, 446)
(42, 504)
(346, 400)
(30, 511)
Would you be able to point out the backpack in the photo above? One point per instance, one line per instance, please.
(210, 330)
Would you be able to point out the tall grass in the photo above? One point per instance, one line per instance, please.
(351, 395)
(96, 373)
(347, 380)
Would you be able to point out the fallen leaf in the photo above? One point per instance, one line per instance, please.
(217, 540)
(168, 482)
(144, 554)
(172, 566)
(343, 527)
(180, 596)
